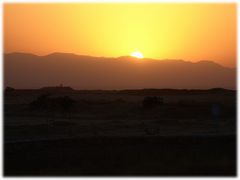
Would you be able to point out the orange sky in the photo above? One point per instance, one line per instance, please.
(163, 31)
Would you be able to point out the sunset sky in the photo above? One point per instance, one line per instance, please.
(161, 31)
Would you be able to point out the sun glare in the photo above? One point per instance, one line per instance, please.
(137, 55)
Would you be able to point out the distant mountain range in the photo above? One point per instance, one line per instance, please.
(22, 70)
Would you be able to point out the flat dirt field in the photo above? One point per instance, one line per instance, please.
(120, 133)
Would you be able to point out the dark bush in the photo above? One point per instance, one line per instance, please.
(66, 103)
(9, 89)
(150, 102)
(47, 103)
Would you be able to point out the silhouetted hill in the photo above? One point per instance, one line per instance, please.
(22, 70)
(57, 89)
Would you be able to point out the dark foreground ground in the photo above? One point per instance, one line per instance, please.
(130, 156)
(64, 132)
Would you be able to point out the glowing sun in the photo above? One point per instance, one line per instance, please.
(137, 55)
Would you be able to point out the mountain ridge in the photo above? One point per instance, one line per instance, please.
(89, 72)
(120, 57)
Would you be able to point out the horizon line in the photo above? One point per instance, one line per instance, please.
(124, 89)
